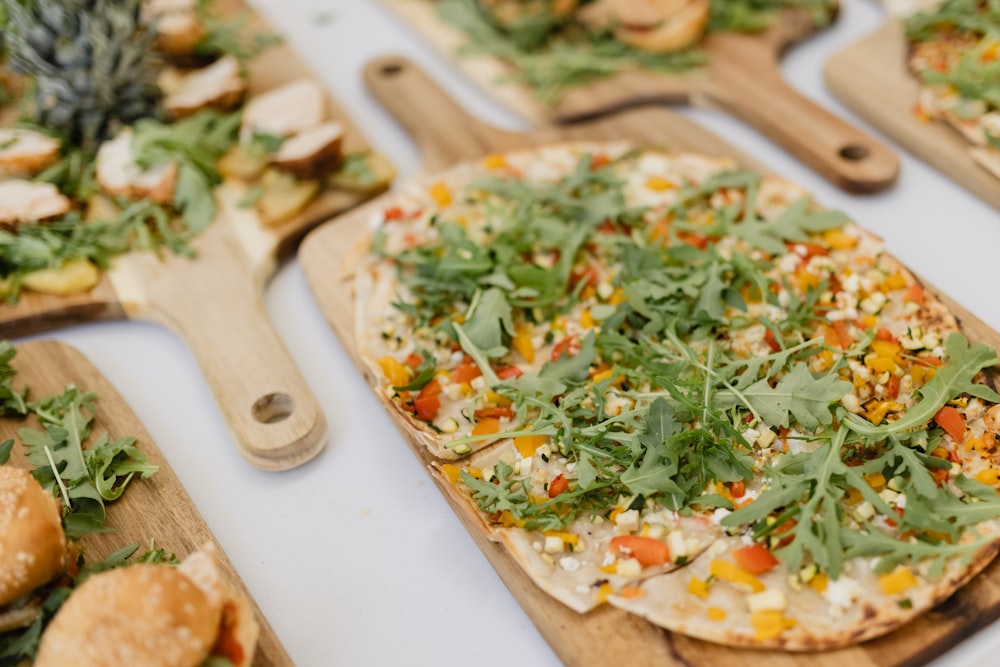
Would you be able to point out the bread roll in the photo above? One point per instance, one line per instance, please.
(32, 541)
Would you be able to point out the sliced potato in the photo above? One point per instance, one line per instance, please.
(73, 277)
(283, 196)
(364, 172)
(242, 163)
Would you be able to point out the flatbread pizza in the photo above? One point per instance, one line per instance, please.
(685, 389)
(955, 54)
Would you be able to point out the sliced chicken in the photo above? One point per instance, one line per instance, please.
(285, 111)
(650, 25)
(313, 153)
(219, 86)
(178, 29)
(120, 175)
(25, 152)
(27, 201)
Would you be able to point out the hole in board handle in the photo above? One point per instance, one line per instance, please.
(391, 69)
(854, 152)
(273, 408)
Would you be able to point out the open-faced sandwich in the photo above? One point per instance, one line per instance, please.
(685, 389)
(129, 117)
(955, 52)
(555, 45)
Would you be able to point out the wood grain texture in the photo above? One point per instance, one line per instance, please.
(742, 78)
(215, 302)
(606, 636)
(872, 78)
(158, 508)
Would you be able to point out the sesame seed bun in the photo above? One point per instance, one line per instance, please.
(151, 616)
(32, 541)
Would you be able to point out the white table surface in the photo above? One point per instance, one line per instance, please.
(355, 558)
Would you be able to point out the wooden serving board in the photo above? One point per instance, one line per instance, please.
(742, 78)
(606, 636)
(156, 508)
(872, 78)
(215, 302)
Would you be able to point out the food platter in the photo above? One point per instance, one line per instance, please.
(395, 82)
(158, 508)
(271, 412)
(742, 79)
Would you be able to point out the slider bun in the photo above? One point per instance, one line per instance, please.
(32, 541)
(142, 616)
(153, 616)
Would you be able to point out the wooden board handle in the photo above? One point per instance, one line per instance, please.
(837, 150)
(215, 304)
(445, 133)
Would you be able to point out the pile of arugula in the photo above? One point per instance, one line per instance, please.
(689, 395)
(553, 56)
(84, 470)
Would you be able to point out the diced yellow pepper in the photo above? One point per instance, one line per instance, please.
(441, 194)
(869, 321)
(819, 582)
(527, 445)
(659, 184)
(921, 374)
(880, 364)
(878, 412)
(989, 476)
(604, 592)
(486, 426)
(838, 239)
(450, 471)
(854, 496)
(876, 480)
(716, 614)
(723, 569)
(397, 374)
(567, 538)
(474, 472)
(887, 349)
(897, 581)
(698, 587)
(769, 624)
(825, 360)
(522, 343)
(978, 444)
(495, 161)
(508, 521)
(495, 399)
(618, 296)
(586, 319)
(894, 282)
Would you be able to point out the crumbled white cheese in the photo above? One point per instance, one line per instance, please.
(719, 514)
(677, 544)
(553, 544)
(841, 593)
(569, 563)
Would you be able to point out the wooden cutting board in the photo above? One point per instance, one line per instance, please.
(742, 78)
(215, 302)
(156, 508)
(872, 78)
(606, 636)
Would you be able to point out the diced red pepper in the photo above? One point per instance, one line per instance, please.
(466, 373)
(772, 341)
(952, 421)
(569, 345)
(414, 361)
(755, 559)
(892, 387)
(647, 550)
(509, 372)
(558, 485)
(496, 413)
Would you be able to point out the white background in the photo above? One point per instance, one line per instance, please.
(354, 558)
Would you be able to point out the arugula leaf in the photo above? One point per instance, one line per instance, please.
(798, 394)
(424, 373)
(952, 379)
(500, 496)
(488, 320)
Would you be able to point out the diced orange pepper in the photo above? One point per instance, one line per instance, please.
(527, 445)
(441, 194)
(698, 587)
(647, 550)
(487, 426)
(395, 372)
(952, 421)
(722, 569)
(897, 581)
